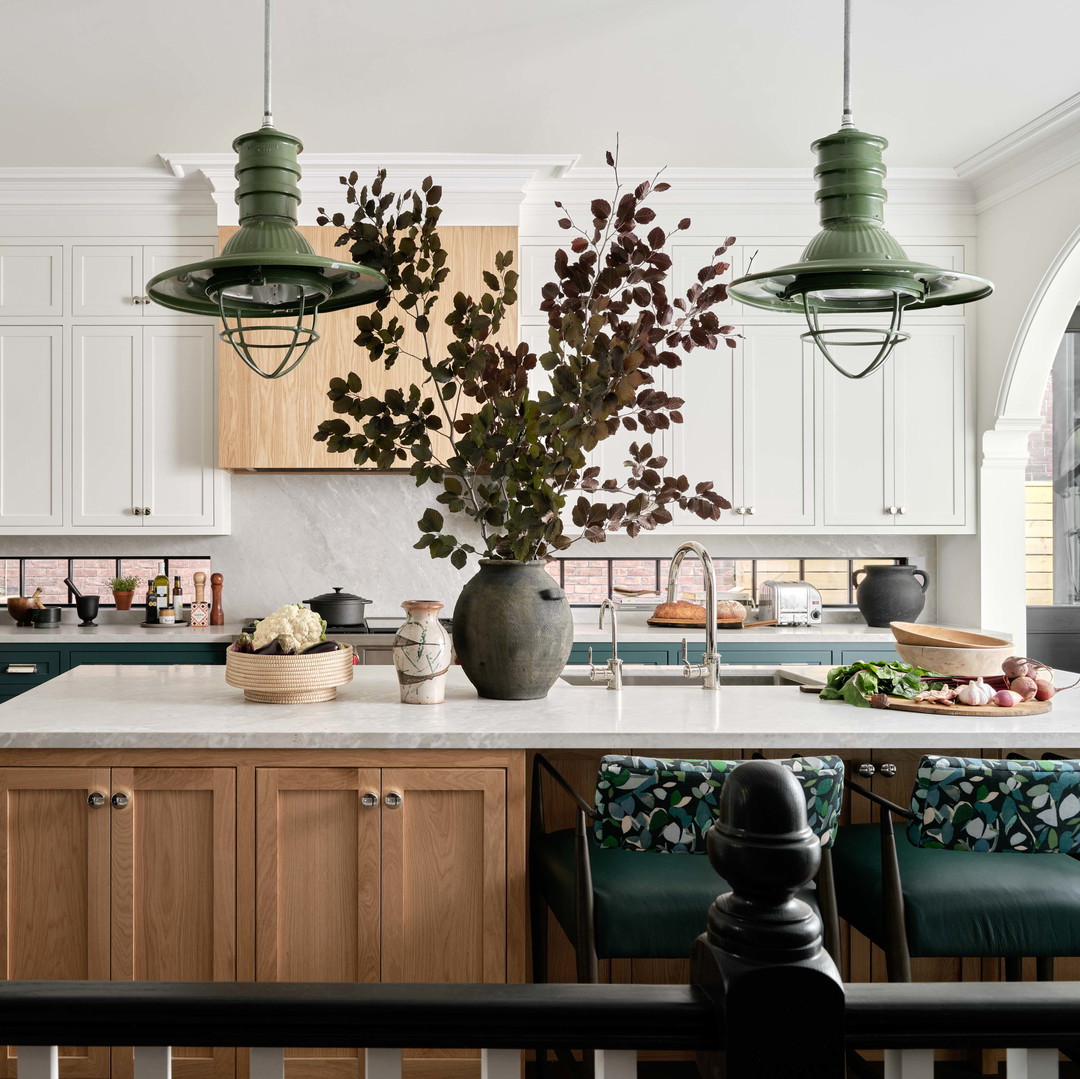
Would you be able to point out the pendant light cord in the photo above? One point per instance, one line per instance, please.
(268, 115)
(846, 120)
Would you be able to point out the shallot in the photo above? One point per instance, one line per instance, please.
(1006, 698)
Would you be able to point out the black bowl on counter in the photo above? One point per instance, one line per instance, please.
(44, 616)
(339, 608)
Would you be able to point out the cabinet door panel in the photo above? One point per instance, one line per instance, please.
(31, 281)
(31, 427)
(174, 890)
(858, 428)
(444, 875)
(774, 382)
(107, 425)
(317, 890)
(178, 398)
(704, 445)
(54, 889)
(106, 280)
(928, 395)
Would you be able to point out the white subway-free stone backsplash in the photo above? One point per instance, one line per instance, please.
(295, 536)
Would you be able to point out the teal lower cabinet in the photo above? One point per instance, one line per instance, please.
(738, 653)
(24, 666)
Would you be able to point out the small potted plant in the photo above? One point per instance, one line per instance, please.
(123, 590)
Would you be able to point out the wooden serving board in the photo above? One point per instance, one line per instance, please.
(901, 704)
(692, 623)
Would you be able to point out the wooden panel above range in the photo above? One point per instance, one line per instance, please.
(268, 423)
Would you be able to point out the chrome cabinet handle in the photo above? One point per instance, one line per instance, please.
(891, 510)
(392, 800)
(119, 801)
(95, 800)
(739, 509)
(369, 799)
(750, 509)
(21, 668)
(136, 300)
(137, 510)
(866, 770)
(146, 511)
(901, 509)
(888, 770)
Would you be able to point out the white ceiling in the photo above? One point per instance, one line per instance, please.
(685, 82)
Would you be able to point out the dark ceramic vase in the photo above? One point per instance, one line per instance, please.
(513, 630)
(890, 593)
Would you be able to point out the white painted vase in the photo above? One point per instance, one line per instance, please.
(422, 653)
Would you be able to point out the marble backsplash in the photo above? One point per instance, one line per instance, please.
(294, 536)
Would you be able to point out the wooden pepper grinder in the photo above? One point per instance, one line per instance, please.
(200, 609)
(217, 615)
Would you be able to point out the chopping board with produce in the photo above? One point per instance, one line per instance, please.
(1025, 688)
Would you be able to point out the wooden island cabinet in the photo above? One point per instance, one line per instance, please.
(271, 865)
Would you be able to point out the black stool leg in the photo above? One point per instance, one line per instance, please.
(1044, 968)
(538, 919)
(1014, 968)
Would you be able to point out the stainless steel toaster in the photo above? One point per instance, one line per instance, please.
(789, 603)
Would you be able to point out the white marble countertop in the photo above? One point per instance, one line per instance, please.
(189, 707)
(634, 629)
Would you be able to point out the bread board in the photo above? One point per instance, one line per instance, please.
(901, 704)
(693, 623)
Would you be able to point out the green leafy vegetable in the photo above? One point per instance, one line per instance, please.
(857, 681)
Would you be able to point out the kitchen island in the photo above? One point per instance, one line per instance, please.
(183, 832)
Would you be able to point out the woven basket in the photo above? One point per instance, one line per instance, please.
(289, 679)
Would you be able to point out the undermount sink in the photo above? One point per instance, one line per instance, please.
(729, 676)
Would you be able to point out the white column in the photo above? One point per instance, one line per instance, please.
(616, 1064)
(1026, 1064)
(153, 1062)
(267, 1062)
(500, 1064)
(38, 1062)
(382, 1064)
(909, 1064)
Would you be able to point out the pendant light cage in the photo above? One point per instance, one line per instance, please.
(854, 265)
(268, 285)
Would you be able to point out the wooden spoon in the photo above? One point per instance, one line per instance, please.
(636, 591)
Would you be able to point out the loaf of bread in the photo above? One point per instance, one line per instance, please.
(730, 610)
(683, 609)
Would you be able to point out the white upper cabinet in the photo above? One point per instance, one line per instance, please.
(143, 430)
(179, 432)
(894, 443)
(110, 280)
(31, 427)
(106, 425)
(31, 281)
(749, 428)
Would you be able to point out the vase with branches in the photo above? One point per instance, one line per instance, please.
(504, 432)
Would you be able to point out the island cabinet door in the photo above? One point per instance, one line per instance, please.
(54, 888)
(174, 890)
(318, 889)
(444, 875)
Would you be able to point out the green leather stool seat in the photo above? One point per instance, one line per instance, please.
(1031, 907)
(646, 904)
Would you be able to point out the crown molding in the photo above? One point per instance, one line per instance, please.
(1032, 153)
(483, 189)
(100, 190)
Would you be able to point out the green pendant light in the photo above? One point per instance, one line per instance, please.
(267, 285)
(853, 265)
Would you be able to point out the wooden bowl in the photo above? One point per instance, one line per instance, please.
(952, 662)
(944, 636)
(18, 606)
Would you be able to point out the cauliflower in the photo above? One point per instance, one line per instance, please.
(296, 626)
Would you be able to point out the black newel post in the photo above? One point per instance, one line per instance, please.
(779, 993)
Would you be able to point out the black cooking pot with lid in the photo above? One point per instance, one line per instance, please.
(339, 608)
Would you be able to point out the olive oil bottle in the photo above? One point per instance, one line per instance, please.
(151, 603)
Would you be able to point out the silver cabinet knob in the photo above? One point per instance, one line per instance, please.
(392, 800)
(137, 510)
(866, 770)
(890, 510)
(96, 800)
(119, 801)
(369, 799)
(740, 509)
(146, 511)
(888, 770)
(750, 509)
(901, 509)
(136, 300)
